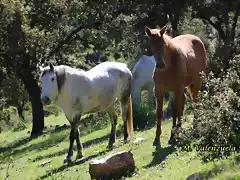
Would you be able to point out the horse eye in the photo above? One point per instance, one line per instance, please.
(52, 79)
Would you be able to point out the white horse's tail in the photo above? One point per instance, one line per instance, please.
(129, 117)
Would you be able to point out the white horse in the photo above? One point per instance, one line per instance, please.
(142, 80)
(79, 92)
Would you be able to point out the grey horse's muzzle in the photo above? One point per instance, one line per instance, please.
(45, 100)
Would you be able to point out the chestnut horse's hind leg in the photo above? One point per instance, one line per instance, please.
(193, 90)
(113, 118)
(178, 109)
(181, 110)
(159, 116)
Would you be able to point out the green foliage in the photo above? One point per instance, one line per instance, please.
(19, 126)
(13, 91)
(4, 119)
(224, 19)
(143, 117)
(52, 109)
(217, 117)
(4, 115)
(94, 122)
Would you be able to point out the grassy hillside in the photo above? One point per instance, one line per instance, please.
(22, 159)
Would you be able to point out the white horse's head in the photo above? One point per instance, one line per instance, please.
(49, 82)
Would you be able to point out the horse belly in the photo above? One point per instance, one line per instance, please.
(101, 100)
(96, 108)
(68, 110)
(165, 80)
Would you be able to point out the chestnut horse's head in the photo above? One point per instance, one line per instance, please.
(157, 44)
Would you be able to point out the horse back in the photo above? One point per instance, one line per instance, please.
(111, 77)
(144, 67)
(193, 52)
(142, 72)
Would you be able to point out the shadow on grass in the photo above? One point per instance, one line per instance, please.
(85, 145)
(15, 144)
(51, 141)
(65, 166)
(21, 142)
(50, 130)
(218, 168)
(160, 155)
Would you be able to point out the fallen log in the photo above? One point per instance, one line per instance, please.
(113, 166)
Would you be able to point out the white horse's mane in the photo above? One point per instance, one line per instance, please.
(70, 69)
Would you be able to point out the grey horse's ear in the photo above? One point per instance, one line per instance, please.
(51, 67)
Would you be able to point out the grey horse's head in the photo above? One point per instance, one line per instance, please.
(53, 80)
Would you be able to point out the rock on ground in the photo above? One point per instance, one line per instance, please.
(113, 166)
(195, 176)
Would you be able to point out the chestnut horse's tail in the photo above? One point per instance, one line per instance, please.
(189, 89)
(129, 117)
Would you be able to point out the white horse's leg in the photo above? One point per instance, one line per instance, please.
(113, 118)
(150, 96)
(79, 145)
(73, 135)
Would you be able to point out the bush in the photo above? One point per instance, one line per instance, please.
(217, 115)
(142, 117)
(19, 126)
(4, 115)
(4, 119)
(51, 109)
(94, 122)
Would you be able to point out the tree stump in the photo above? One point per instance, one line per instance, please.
(113, 166)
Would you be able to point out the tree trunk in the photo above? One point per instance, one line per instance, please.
(22, 61)
(37, 108)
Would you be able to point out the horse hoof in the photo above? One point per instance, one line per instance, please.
(126, 141)
(110, 146)
(67, 160)
(79, 156)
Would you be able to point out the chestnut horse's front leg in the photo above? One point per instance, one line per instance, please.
(159, 115)
(174, 120)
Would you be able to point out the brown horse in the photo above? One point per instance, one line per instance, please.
(180, 62)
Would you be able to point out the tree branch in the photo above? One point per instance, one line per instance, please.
(234, 24)
(66, 39)
(217, 26)
(2, 78)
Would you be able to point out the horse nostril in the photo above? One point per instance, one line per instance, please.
(45, 100)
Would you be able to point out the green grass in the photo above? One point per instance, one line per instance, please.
(24, 157)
